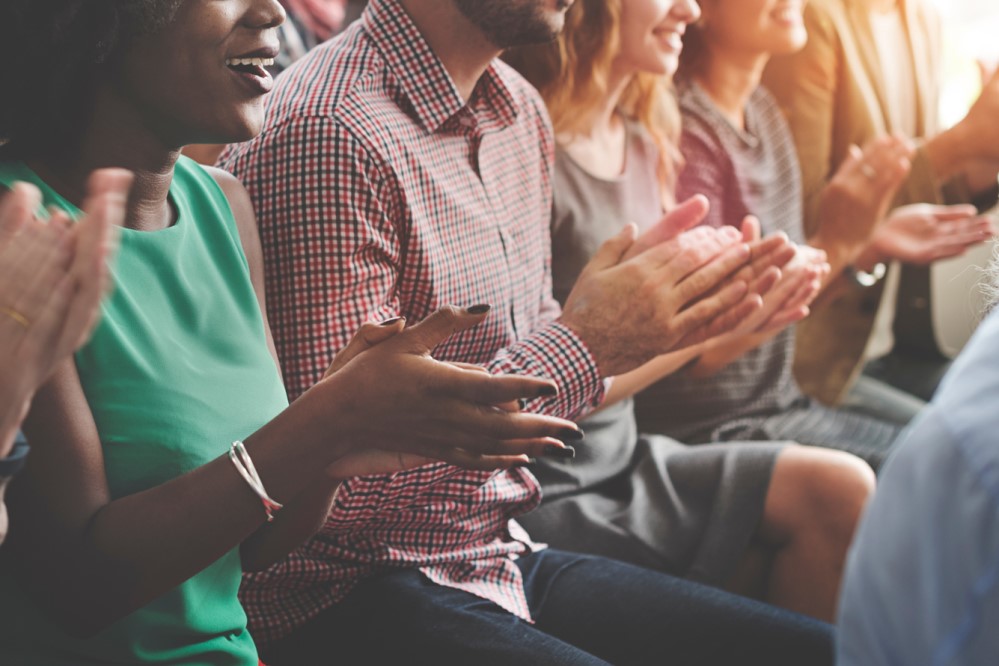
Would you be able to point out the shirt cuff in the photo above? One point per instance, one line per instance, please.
(557, 353)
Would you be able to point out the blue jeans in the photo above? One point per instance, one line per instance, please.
(588, 610)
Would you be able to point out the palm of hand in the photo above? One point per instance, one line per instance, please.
(922, 233)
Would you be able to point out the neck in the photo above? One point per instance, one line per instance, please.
(460, 45)
(602, 119)
(729, 79)
(116, 137)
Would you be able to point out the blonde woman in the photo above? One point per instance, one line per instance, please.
(769, 518)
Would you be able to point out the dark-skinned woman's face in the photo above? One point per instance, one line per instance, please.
(201, 78)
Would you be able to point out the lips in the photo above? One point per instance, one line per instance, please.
(250, 69)
(671, 38)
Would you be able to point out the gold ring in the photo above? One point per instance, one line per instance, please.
(16, 316)
(868, 171)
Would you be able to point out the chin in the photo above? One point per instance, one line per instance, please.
(789, 46)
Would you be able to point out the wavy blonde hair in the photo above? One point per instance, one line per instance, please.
(572, 75)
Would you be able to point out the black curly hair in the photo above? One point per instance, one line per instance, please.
(52, 52)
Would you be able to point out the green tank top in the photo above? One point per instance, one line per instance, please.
(177, 369)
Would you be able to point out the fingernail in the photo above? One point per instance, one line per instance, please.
(389, 322)
(547, 391)
(525, 463)
(522, 403)
(553, 451)
(481, 308)
(571, 434)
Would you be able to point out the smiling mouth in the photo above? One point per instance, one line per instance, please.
(249, 65)
(252, 73)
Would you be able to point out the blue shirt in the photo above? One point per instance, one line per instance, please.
(922, 578)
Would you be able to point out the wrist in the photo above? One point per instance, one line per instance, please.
(947, 152)
(870, 257)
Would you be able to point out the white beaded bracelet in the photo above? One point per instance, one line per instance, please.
(240, 458)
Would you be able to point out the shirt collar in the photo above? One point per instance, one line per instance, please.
(425, 83)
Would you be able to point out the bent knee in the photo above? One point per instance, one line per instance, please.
(818, 488)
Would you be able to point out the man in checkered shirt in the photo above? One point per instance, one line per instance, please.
(402, 168)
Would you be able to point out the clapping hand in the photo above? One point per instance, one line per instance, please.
(53, 274)
(430, 410)
(861, 192)
(924, 233)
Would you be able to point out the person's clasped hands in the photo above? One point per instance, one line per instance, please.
(674, 286)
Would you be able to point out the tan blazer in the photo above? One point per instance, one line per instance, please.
(832, 95)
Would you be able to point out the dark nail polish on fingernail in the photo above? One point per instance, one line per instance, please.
(571, 434)
(553, 451)
(547, 391)
(389, 322)
(525, 463)
(481, 308)
(522, 403)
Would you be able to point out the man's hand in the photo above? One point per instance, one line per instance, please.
(670, 288)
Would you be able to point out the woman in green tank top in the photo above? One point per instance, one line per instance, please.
(137, 513)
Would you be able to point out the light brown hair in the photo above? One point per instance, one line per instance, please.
(572, 75)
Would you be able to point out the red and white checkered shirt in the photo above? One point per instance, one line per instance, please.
(381, 192)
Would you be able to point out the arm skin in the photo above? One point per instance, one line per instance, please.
(300, 520)
(94, 559)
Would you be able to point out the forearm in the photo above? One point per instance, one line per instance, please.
(947, 153)
(719, 354)
(99, 560)
(626, 385)
(293, 526)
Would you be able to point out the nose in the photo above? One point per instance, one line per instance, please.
(687, 11)
(264, 14)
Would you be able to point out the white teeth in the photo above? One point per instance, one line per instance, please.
(259, 62)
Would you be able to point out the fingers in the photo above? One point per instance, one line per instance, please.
(775, 250)
(706, 278)
(368, 336)
(679, 258)
(613, 251)
(784, 318)
(950, 213)
(727, 317)
(766, 281)
(751, 231)
(93, 238)
(421, 338)
(17, 207)
(685, 216)
(512, 406)
(487, 389)
(715, 315)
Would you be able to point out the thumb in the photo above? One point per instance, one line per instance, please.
(368, 336)
(16, 208)
(423, 337)
(688, 214)
(613, 250)
(750, 229)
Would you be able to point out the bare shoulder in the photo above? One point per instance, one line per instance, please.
(239, 198)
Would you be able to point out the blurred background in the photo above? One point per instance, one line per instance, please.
(971, 37)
